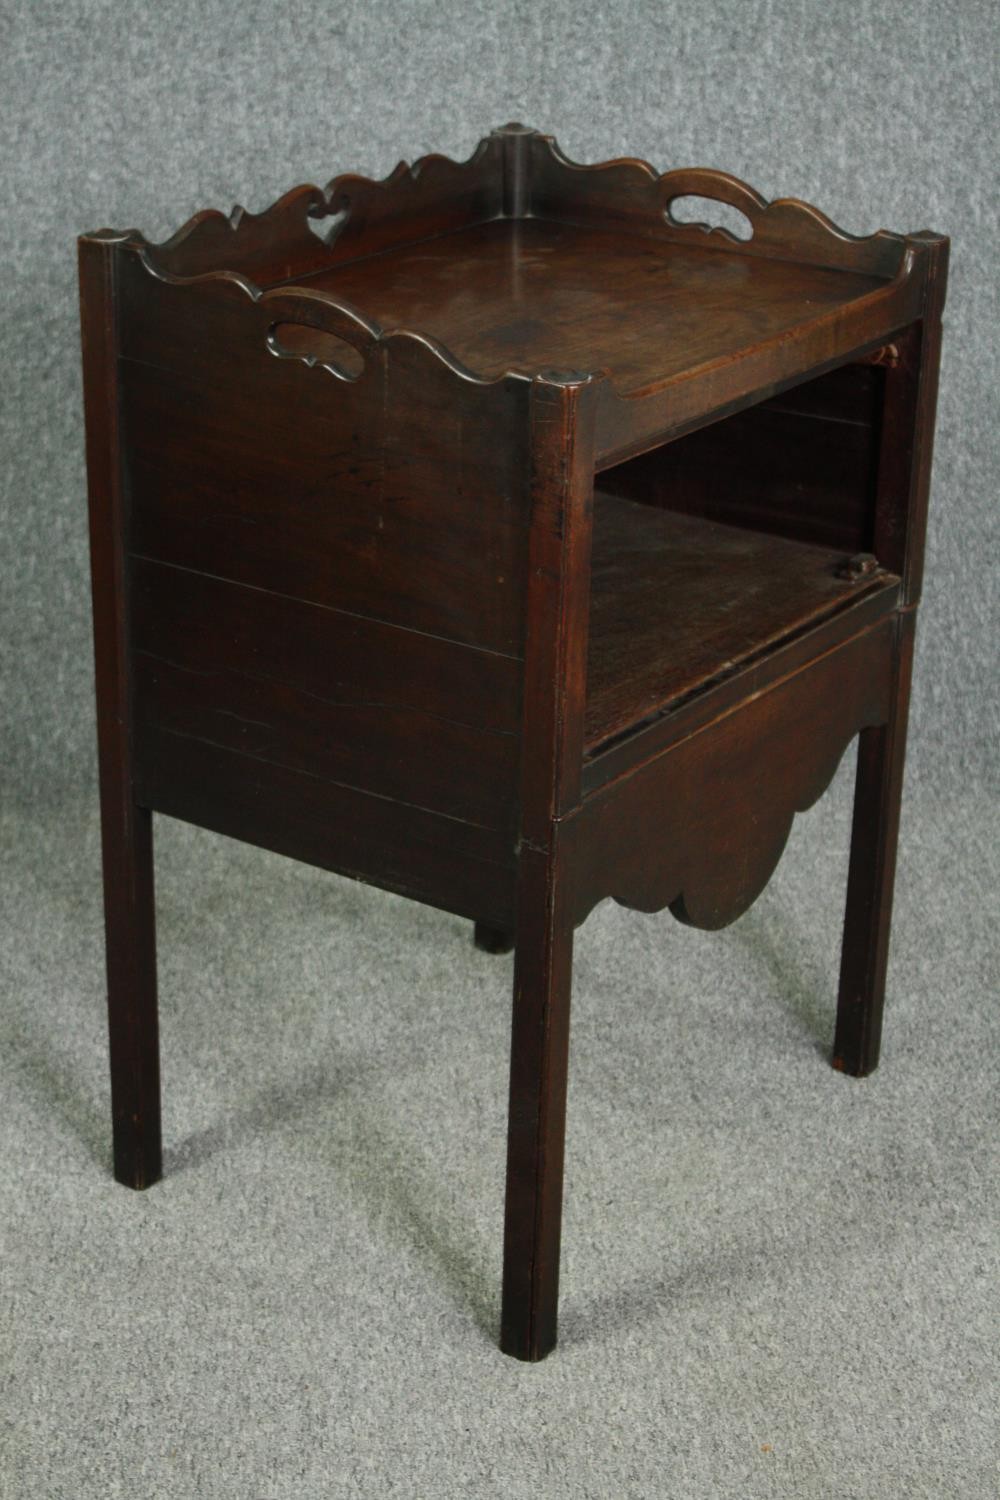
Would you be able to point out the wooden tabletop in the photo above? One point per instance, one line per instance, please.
(528, 295)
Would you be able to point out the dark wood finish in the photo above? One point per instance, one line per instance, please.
(507, 295)
(327, 692)
(416, 202)
(539, 1053)
(281, 476)
(493, 939)
(802, 465)
(865, 950)
(908, 427)
(899, 529)
(709, 816)
(358, 598)
(636, 199)
(126, 829)
(444, 861)
(680, 331)
(646, 739)
(678, 602)
(555, 690)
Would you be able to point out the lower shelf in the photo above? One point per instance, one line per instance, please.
(678, 602)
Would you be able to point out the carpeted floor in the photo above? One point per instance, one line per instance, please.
(778, 1281)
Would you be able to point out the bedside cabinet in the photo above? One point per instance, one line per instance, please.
(493, 535)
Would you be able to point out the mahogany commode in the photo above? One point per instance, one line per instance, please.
(491, 535)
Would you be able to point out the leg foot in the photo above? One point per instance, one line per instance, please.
(493, 939)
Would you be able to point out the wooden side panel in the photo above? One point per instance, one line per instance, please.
(441, 861)
(300, 507)
(328, 578)
(367, 705)
(399, 495)
(802, 465)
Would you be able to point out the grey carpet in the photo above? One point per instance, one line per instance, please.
(777, 1281)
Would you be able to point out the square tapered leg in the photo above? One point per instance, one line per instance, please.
(539, 1054)
(864, 957)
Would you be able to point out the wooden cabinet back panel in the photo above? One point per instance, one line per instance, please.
(802, 465)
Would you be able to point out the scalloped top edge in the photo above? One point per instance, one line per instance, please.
(436, 191)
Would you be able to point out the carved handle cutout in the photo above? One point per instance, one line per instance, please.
(315, 346)
(327, 226)
(708, 214)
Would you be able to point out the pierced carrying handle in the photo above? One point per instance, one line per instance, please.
(722, 187)
(306, 325)
(786, 228)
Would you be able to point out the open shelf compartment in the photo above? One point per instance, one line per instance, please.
(680, 603)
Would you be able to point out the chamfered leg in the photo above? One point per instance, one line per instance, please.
(864, 957)
(126, 830)
(539, 1054)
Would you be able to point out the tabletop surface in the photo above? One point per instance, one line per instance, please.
(529, 295)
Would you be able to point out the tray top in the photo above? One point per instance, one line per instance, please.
(519, 262)
(527, 295)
